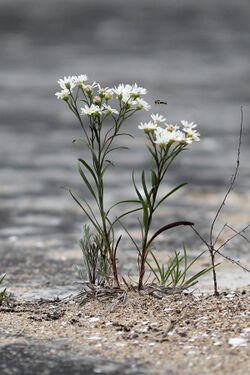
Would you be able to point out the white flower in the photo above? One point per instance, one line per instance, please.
(89, 88)
(176, 135)
(92, 110)
(79, 80)
(122, 92)
(120, 89)
(157, 118)
(164, 137)
(191, 135)
(127, 92)
(141, 104)
(136, 91)
(106, 108)
(67, 82)
(105, 92)
(181, 137)
(64, 94)
(188, 125)
(171, 127)
(159, 130)
(148, 127)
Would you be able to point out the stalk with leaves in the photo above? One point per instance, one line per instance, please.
(101, 127)
(165, 144)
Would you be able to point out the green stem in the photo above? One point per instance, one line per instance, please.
(104, 218)
(161, 157)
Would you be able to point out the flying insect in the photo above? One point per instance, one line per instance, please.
(158, 102)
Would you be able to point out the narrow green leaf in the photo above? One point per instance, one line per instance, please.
(170, 193)
(96, 163)
(125, 214)
(145, 215)
(153, 178)
(154, 272)
(117, 148)
(85, 179)
(199, 274)
(126, 230)
(92, 219)
(144, 185)
(125, 201)
(194, 260)
(136, 189)
(88, 167)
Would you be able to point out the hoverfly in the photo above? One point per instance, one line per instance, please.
(158, 101)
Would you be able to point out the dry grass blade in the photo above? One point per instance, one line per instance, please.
(166, 227)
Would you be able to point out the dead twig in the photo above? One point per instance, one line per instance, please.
(212, 243)
(233, 179)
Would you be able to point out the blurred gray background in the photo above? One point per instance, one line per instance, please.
(194, 54)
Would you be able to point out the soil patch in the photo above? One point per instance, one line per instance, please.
(178, 334)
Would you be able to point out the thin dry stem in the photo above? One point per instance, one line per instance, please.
(233, 179)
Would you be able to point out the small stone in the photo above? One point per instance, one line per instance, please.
(93, 319)
(237, 341)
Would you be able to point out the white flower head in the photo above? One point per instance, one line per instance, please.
(129, 92)
(79, 80)
(190, 132)
(136, 91)
(157, 118)
(67, 82)
(122, 92)
(159, 130)
(89, 89)
(141, 104)
(164, 138)
(106, 108)
(171, 127)
(148, 127)
(105, 92)
(191, 135)
(188, 125)
(63, 95)
(91, 110)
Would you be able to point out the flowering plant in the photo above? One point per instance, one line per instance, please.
(94, 106)
(165, 144)
(93, 102)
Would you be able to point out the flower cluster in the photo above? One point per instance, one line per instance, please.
(67, 84)
(171, 133)
(130, 95)
(96, 98)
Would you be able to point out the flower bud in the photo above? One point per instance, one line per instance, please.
(134, 96)
(68, 85)
(89, 91)
(108, 96)
(97, 100)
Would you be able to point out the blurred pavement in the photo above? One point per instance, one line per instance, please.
(194, 54)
